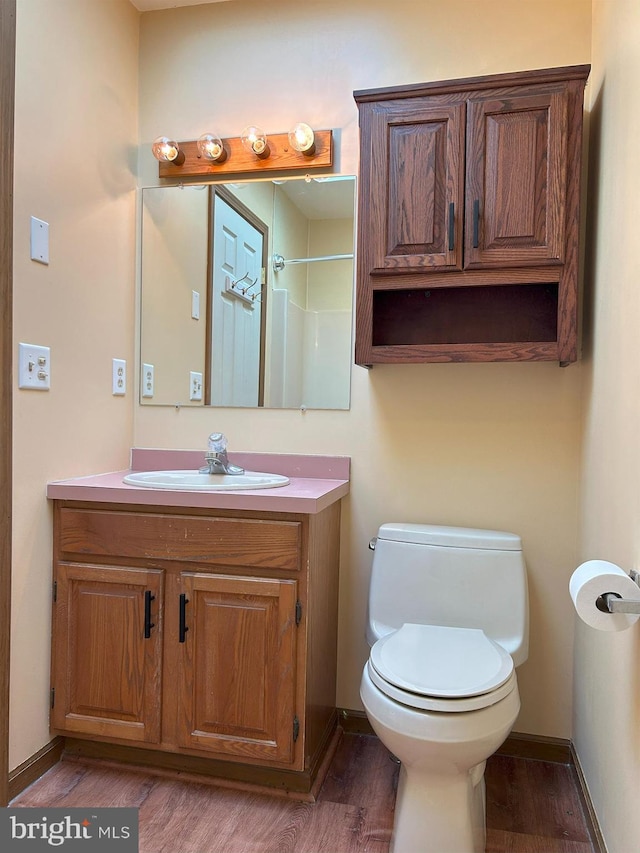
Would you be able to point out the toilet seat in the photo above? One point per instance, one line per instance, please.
(441, 668)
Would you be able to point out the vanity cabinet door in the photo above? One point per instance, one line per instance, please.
(237, 674)
(516, 180)
(106, 671)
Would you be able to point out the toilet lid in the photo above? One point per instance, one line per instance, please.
(438, 661)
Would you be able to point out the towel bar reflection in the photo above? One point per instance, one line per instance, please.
(279, 262)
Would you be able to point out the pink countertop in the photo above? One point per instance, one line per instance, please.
(315, 482)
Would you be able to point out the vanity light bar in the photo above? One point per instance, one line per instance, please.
(282, 157)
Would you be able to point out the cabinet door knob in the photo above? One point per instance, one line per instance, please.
(148, 624)
(452, 222)
(476, 223)
(182, 629)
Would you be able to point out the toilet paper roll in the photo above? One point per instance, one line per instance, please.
(591, 580)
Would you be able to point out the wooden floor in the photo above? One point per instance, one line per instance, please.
(532, 807)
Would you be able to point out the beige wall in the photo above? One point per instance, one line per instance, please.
(487, 445)
(607, 666)
(75, 138)
(329, 283)
(175, 245)
(292, 229)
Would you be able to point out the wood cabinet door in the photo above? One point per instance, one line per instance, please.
(516, 180)
(412, 199)
(107, 651)
(237, 674)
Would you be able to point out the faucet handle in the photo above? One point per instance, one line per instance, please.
(217, 442)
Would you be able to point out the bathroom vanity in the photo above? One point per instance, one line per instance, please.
(197, 631)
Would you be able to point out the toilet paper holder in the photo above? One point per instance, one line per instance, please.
(611, 602)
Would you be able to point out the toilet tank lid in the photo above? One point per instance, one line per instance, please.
(450, 537)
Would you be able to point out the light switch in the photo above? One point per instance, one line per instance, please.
(39, 240)
(34, 367)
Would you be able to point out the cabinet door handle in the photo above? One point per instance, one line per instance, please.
(148, 624)
(182, 630)
(452, 221)
(476, 222)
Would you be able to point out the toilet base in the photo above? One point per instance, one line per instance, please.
(439, 815)
(440, 805)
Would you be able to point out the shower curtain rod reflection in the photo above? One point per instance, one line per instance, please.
(279, 262)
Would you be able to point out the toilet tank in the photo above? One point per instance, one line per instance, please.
(455, 576)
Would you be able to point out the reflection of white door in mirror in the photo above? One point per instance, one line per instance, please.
(236, 309)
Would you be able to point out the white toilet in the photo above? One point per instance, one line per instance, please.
(448, 623)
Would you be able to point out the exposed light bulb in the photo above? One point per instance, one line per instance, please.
(211, 148)
(302, 139)
(167, 150)
(254, 140)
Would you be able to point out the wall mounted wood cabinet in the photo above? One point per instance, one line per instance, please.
(203, 634)
(468, 224)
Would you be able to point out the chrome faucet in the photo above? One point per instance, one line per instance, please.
(216, 457)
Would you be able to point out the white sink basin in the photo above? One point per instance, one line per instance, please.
(195, 481)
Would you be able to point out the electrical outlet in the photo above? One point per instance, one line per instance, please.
(195, 385)
(34, 367)
(119, 377)
(147, 380)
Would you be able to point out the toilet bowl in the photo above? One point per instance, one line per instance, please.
(440, 688)
(442, 742)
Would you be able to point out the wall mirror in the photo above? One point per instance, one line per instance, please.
(247, 293)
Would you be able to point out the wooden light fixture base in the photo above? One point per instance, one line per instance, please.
(281, 158)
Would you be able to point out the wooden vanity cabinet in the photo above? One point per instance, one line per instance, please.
(198, 633)
(469, 219)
